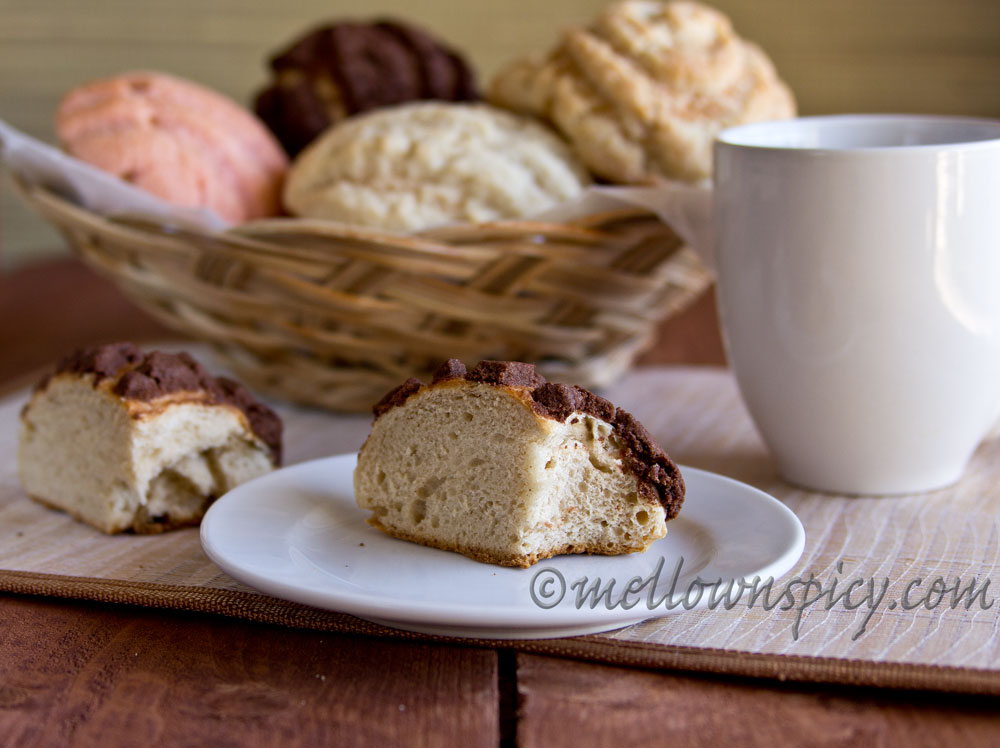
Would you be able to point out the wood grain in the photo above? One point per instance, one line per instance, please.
(110, 676)
(578, 705)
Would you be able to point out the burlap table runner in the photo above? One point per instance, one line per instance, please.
(920, 607)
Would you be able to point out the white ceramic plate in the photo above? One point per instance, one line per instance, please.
(298, 534)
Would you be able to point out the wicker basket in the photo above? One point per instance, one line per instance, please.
(332, 315)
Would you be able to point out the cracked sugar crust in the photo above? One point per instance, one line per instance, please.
(177, 140)
(420, 165)
(643, 92)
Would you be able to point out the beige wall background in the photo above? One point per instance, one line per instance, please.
(837, 55)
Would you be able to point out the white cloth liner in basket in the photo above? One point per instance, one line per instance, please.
(684, 207)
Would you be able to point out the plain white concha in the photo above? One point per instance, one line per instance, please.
(421, 165)
(499, 465)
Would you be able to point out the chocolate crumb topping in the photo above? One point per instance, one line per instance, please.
(658, 476)
(159, 373)
(397, 396)
(105, 361)
(558, 401)
(450, 369)
(346, 68)
(444, 75)
(506, 373)
(643, 457)
(156, 374)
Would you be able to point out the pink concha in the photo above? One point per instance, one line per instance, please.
(178, 140)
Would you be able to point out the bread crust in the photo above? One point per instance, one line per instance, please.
(139, 526)
(523, 561)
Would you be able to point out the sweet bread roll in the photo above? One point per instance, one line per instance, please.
(145, 442)
(643, 92)
(345, 68)
(504, 467)
(178, 140)
(426, 164)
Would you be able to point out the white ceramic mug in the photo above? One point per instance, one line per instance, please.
(858, 263)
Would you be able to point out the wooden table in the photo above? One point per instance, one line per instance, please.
(86, 674)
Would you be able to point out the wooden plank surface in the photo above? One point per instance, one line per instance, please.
(577, 705)
(108, 676)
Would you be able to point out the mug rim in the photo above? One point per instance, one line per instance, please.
(748, 136)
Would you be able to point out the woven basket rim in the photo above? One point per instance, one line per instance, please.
(332, 314)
